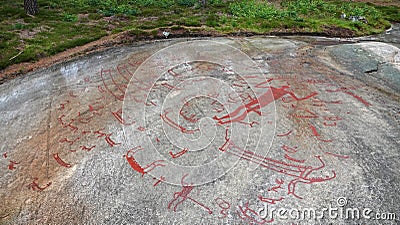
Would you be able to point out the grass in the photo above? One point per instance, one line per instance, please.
(64, 24)
(311, 15)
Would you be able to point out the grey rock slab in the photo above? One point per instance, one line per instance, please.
(70, 135)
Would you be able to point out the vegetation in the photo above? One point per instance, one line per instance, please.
(63, 24)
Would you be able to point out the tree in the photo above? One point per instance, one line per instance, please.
(31, 7)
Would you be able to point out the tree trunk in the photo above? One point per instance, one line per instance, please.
(203, 2)
(31, 7)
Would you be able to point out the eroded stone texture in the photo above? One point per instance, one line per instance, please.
(66, 158)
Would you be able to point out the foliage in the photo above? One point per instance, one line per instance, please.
(63, 24)
(291, 9)
(70, 17)
(187, 3)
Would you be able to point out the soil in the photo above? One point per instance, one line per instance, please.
(127, 37)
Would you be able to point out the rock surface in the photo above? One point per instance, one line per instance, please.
(327, 134)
